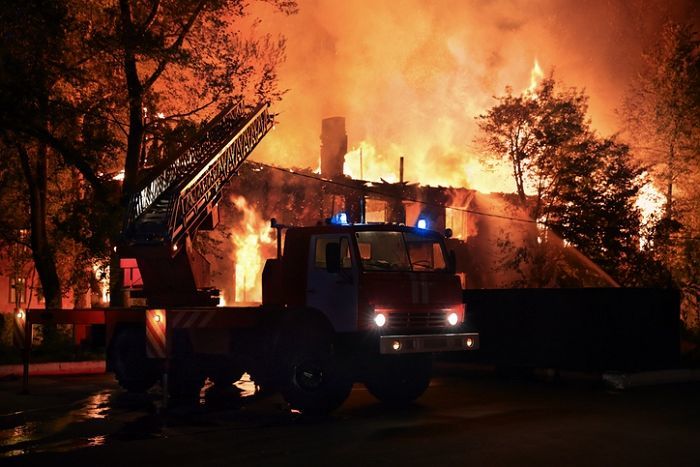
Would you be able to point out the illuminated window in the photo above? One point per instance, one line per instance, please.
(457, 221)
(18, 289)
(375, 210)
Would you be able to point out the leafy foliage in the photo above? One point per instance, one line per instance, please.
(580, 188)
(662, 111)
(92, 88)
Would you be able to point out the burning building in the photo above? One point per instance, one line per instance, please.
(495, 243)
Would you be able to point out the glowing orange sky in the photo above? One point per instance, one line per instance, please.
(410, 75)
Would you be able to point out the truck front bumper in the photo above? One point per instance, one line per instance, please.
(423, 343)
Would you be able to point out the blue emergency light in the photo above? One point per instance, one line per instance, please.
(340, 218)
(422, 224)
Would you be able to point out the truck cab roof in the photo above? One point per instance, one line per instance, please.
(353, 228)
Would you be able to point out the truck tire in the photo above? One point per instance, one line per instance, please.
(399, 379)
(313, 378)
(223, 372)
(185, 381)
(187, 372)
(133, 370)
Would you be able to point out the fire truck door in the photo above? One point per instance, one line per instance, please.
(333, 293)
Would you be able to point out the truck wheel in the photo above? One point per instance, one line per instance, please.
(187, 371)
(133, 370)
(224, 372)
(401, 379)
(314, 380)
(185, 381)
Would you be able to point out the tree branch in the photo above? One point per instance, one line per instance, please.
(190, 113)
(148, 22)
(175, 45)
(72, 156)
(26, 166)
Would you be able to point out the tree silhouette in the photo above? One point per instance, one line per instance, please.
(573, 183)
(89, 85)
(662, 111)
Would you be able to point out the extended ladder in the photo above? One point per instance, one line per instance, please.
(180, 197)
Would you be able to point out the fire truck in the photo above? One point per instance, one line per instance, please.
(342, 303)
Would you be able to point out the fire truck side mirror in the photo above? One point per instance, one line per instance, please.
(333, 257)
(451, 261)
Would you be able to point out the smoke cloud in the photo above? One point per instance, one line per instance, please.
(411, 75)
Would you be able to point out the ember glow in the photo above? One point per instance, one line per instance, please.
(252, 238)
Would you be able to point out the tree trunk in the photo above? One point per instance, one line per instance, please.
(135, 90)
(518, 176)
(134, 140)
(42, 254)
(669, 191)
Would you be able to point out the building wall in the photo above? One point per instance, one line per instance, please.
(29, 296)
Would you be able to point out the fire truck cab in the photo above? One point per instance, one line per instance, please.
(385, 297)
(368, 278)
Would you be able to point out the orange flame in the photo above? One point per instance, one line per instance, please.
(421, 166)
(435, 156)
(650, 202)
(250, 238)
(536, 75)
(101, 273)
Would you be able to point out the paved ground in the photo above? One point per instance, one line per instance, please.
(466, 417)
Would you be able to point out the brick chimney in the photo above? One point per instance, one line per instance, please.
(334, 145)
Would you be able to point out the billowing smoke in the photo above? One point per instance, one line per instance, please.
(411, 75)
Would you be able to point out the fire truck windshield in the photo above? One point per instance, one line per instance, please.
(398, 251)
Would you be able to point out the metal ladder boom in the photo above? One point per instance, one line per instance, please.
(173, 203)
(175, 200)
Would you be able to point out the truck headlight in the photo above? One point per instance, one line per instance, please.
(452, 318)
(379, 319)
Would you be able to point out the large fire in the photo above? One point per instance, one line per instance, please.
(435, 158)
(252, 241)
(366, 163)
(411, 85)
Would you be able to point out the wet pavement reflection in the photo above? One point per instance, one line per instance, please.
(90, 421)
(113, 415)
(55, 428)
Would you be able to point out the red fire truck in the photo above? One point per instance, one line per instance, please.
(341, 302)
